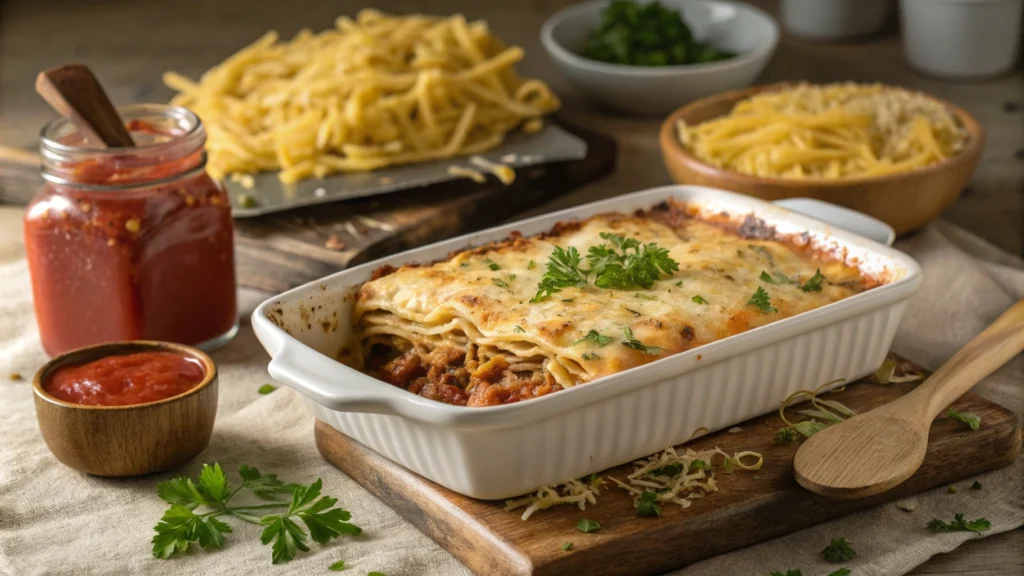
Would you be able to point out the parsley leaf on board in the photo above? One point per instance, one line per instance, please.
(761, 301)
(531, 265)
(266, 389)
(679, 284)
(596, 337)
(585, 525)
(791, 572)
(567, 546)
(563, 271)
(838, 551)
(960, 525)
(337, 566)
(814, 283)
(969, 419)
(669, 470)
(648, 505)
(976, 485)
(785, 435)
(630, 342)
(181, 525)
(376, 574)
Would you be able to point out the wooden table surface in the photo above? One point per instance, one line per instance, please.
(129, 43)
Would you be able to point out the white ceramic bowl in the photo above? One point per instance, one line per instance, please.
(646, 90)
(834, 19)
(961, 39)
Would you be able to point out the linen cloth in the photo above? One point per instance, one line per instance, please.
(54, 520)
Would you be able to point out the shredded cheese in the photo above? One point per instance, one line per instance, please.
(504, 173)
(573, 492)
(463, 172)
(674, 477)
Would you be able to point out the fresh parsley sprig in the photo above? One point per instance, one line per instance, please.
(181, 525)
(563, 271)
(622, 264)
(595, 337)
(647, 504)
(630, 342)
(838, 551)
(761, 301)
(628, 264)
(813, 284)
(960, 525)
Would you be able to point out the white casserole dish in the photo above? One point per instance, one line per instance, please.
(503, 451)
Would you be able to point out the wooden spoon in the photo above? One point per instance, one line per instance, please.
(74, 92)
(875, 451)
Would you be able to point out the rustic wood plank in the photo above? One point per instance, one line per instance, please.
(491, 541)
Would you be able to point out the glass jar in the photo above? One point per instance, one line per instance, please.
(131, 243)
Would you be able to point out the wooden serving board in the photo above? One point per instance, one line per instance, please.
(749, 507)
(280, 251)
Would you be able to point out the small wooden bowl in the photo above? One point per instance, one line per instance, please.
(904, 201)
(127, 440)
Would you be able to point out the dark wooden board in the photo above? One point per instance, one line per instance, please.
(750, 506)
(283, 250)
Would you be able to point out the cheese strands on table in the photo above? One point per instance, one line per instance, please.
(830, 131)
(373, 92)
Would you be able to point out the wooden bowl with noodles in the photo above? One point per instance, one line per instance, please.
(905, 200)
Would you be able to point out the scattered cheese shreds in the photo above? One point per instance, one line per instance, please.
(573, 492)
(681, 477)
(676, 477)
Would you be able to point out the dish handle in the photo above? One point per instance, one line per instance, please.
(840, 217)
(332, 384)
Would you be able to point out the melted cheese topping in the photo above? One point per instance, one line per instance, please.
(481, 298)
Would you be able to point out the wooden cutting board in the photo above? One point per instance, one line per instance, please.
(280, 251)
(750, 506)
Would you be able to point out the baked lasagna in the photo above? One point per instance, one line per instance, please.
(530, 316)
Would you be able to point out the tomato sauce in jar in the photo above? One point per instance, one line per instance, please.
(126, 379)
(131, 243)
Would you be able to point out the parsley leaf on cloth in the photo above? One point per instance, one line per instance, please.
(181, 525)
(960, 525)
(838, 551)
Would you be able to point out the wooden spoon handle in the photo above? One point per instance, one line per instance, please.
(995, 346)
(74, 92)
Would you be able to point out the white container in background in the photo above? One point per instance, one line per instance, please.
(834, 19)
(961, 38)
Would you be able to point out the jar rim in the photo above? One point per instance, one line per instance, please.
(179, 113)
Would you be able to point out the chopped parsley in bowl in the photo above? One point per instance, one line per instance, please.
(647, 35)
